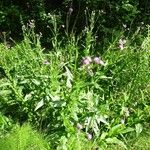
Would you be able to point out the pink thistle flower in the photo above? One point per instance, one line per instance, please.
(89, 136)
(98, 60)
(87, 60)
(79, 126)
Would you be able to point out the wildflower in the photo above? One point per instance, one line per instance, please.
(46, 62)
(98, 60)
(79, 126)
(89, 136)
(87, 60)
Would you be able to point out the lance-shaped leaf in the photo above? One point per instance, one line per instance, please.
(39, 105)
(69, 78)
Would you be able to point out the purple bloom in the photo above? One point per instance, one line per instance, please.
(79, 126)
(87, 60)
(98, 60)
(89, 136)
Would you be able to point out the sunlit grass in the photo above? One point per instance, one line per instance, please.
(23, 138)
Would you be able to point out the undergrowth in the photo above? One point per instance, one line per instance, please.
(23, 138)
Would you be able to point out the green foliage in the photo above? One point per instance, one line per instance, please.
(5, 125)
(78, 97)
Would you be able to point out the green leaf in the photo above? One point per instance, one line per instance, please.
(68, 83)
(24, 81)
(103, 136)
(105, 77)
(39, 105)
(138, 129)
(59, 104)
(5, 84)
(116, 130)
(69, 78)
(102, 119)
(126, 130)
(114, 140)
(54, 98)
(36, 82)
(5, 92)
(28, 97)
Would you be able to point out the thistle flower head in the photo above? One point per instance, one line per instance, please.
(79, 126)
(87, 60)
(89, 136)
(97, 60)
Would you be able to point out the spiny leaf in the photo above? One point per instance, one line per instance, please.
(39, 105)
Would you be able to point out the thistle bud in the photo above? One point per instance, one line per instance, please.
(97, 60)
(86, 60)
(89, 136)
(79, 126)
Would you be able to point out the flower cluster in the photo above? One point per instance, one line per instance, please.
(88, 60)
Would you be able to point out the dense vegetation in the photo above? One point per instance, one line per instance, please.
(73, 16)
(74, 75)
